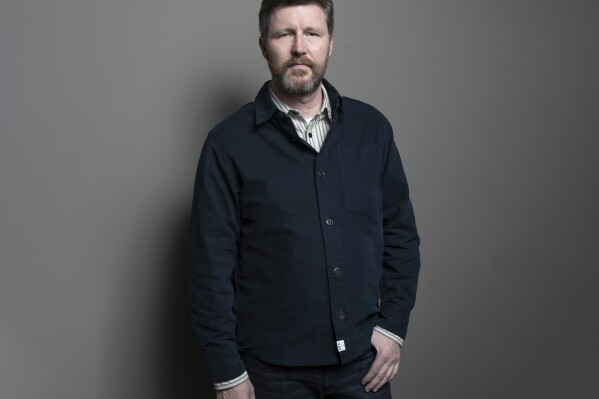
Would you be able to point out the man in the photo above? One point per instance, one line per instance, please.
(303, 246)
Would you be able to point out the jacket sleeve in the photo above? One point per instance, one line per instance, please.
(401, 257)
(212, 257)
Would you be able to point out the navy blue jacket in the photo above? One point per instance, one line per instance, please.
(292, 251)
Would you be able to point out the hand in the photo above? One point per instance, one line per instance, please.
(386, 362)
(245, 390)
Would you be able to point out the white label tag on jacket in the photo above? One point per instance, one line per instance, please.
(341, 346)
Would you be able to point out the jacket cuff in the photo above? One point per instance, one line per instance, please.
(219, 386)
(398, 325)
(390, 335)
(224, 365)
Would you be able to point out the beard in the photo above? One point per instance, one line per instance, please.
(298, 82)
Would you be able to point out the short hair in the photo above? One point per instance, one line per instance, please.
(269, 6)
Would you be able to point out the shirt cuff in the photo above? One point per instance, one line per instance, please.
(390, 335)
(219, 386)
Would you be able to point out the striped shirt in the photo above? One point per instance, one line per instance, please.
(313, 131)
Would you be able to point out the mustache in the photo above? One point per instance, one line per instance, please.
(299, 60)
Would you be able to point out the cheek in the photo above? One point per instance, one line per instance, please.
(279, 48)
(276, 56)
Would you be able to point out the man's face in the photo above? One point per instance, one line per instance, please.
(297, 48)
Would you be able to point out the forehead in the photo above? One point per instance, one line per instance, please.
(311, 15)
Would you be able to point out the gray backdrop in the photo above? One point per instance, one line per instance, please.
(104, 106)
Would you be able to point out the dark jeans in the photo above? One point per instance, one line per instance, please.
(322, 382)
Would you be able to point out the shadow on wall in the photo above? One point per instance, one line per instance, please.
(215, 101)
(152, 351)
(184, 374)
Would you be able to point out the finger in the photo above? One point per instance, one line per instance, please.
(375, 368)
(395, 370)
(379, 379)
(381, 383)
(373, 383)
(388, 376)
(392, 371)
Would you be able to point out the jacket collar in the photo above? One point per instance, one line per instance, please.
(265, 108)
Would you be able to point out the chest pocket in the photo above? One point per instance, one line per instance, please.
(360, 169)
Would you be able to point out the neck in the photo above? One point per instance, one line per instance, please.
(307, 104)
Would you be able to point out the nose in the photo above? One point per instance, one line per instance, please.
(299, 47)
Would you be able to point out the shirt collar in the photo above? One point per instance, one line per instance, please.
(325, 107)
(265, 107)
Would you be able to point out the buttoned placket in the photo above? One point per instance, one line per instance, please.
(331, 225)
(333, 243)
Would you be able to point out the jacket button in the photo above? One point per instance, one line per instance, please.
(341, 315)
(321, 173)
(329, 222)
(337, 271)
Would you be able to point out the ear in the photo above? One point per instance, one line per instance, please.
(331, 46)
(262, 46)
